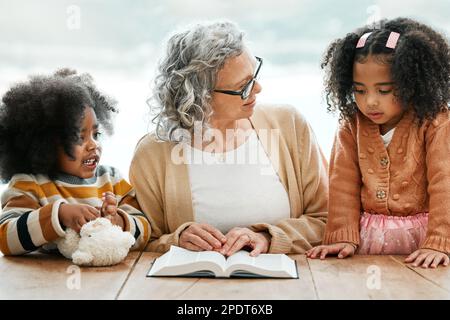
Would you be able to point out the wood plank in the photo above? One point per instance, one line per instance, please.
(439, 276)
(357, 278)
(50, 276)
(138, 286)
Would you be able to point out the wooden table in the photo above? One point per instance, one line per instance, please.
(41, 276)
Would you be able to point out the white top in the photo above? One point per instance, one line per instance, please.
(237, 188)
(387, 137)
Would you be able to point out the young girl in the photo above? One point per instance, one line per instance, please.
(390, 164)
(49, 151)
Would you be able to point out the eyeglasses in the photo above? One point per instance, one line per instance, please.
(247, 89)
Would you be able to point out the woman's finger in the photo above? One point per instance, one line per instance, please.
(190, 246)
(215, 233)
(208, 237)
(199, 242)
(231, 239)
(259, 246)
(241, 242)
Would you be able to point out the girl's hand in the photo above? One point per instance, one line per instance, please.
(109, 209)
(427, 257)
(238, 238)
(201, 237)
(342, 249)
(74, 216)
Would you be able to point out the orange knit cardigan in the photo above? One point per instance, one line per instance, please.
(410, 176)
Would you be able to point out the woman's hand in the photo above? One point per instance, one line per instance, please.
(201, 237)
(74, 216)
(238, 238)
(428, 258)
(342, 249)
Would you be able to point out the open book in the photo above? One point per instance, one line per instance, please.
(181, 262)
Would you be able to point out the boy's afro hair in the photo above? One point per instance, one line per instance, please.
(43, 113)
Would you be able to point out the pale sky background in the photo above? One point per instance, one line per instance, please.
(120, 42)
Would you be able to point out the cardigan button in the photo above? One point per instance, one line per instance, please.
(370, 150)
(370, 171)
(384, 161)
(396, 196)
(400, 150)
(381, 194)
(362, 155)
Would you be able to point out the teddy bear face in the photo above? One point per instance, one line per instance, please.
(94, 226)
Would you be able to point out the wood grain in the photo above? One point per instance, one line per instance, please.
(439, 276)
(357, 278)
(50, 276)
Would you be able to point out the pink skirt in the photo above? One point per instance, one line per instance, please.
(381, 234)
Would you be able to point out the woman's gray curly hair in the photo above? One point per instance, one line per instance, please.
(187, 76)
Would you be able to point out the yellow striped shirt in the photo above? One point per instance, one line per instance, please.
(31, 203)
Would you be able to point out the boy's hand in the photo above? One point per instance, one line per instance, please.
(109, 209)
(342, 249)
(428, 258)
(109, 206)
(74, 216)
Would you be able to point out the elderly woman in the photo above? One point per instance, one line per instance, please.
(222, 172)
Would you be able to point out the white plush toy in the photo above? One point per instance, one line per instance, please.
(100, 243)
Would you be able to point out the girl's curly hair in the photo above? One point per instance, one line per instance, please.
(38, 116)
(420, 67)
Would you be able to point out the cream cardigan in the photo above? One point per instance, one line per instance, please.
(163, 189)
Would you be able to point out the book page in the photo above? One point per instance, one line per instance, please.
(179, 261)
(240, 257)
(212, 256)
(269, 265)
